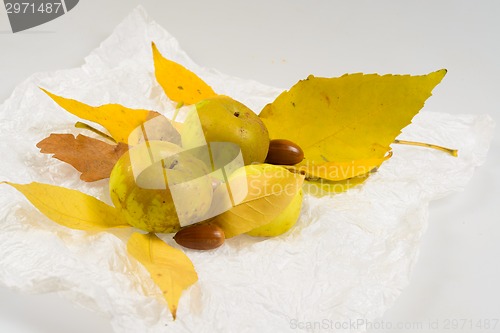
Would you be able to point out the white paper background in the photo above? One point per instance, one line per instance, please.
(347, 258)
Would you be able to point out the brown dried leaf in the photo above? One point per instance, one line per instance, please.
(92, 157)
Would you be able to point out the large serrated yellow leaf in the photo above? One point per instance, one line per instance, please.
(71, 208)
(268, 189)
(179, 83)
(120, 121)
(352, 117)
(169, 267)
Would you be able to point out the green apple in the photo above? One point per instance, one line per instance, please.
(223, 119)
(157, 187)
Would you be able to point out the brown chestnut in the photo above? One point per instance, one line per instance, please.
(284, 152)
(200, 237)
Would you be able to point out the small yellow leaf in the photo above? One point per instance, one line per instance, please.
(179, 83)
(117, 119)
(70, 208)
(348, 118)
(169, 267)
(265, 191)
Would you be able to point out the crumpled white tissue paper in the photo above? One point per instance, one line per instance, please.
(348, 257)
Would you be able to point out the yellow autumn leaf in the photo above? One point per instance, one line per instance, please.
(179, 83)
(322, 187)
(349, 118)
(70, 208)
(261, 192)
(120, 121)
(337, 171)
(169, 267)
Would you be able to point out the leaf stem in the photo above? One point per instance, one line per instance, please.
(177, 109)
(452, 152)
(79, 124)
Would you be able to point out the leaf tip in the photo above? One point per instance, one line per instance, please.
(173, 311)
(40, 144)
(14, 185)
(51, 95)
(441, 72)
(44, 90)
(156, 52)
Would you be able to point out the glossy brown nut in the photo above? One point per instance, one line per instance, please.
(284, 152)
(200, 237)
